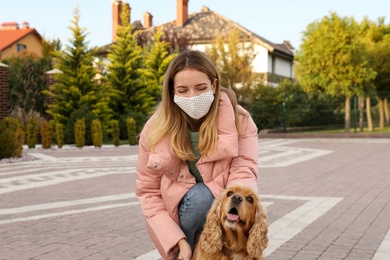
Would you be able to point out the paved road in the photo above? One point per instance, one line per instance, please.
(326, 199)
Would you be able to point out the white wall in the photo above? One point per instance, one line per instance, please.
(261, 62)
(283, 67)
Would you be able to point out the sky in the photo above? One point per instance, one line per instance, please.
(275, 21)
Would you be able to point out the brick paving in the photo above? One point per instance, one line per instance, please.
(326, 199)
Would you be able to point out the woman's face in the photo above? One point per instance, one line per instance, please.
(190, 82)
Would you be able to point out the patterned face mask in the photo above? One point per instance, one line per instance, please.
(195, 107)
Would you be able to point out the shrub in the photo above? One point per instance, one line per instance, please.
(20, 138)
(289, 106)
(11, 138)
(52, 124)
(79, 132)
(60, 134)
(82, 112)
(32, 132)
(45, 134)
(132, 131)
(140, 120)
(115, 132)
(97, 133)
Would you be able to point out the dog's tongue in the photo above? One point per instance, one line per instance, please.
(232, 217)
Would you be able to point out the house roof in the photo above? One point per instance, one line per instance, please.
(10, 36)
(205, 26)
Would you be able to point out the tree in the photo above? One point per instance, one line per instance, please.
(26, 83)
(49, 47)
(124, 70)
(178, 41)
(156, 61)
(382, 81)
(233, 56)
(331, 59)
(289, 106)
(377, 39)
(76, 87)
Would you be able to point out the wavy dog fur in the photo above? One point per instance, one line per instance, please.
(236, 227)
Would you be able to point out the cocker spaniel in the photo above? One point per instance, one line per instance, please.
(236, 227)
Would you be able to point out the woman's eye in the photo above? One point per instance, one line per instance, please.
(230, 193)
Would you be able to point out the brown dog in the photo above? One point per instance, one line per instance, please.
(236, 227)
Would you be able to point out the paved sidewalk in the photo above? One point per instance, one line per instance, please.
(326, 199)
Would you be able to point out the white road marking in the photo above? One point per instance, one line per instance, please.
(69, 212)
(151, 255)
(43, 156)
(383, 252)
(284, 156)
(58, 165)
(285, 228)
(61, 204)
(45, 179)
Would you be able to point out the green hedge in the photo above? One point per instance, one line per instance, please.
(97, 133)
(32, 132)
(79, 133)
(11, 138)
(46, 134)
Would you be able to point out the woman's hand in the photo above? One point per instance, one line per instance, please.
(185, 252)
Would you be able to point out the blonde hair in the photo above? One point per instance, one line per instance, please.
(169, 120)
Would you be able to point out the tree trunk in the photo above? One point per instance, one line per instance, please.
(347, 119)
(369, 117)
(361, 114)
(386, 108)
(381, 114)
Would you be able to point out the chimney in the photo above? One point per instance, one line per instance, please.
(148, 20)
(25, 25)
(9, 26)
(117, 6)
(181, 12)
(205, 9)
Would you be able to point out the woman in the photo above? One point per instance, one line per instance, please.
(197, 142)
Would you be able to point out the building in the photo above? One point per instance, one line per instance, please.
(273, 61)
(15, 39)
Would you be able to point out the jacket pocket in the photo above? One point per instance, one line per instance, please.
(163, 166)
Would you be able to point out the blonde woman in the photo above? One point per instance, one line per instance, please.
(197, 142)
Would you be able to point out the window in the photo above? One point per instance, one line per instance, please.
(21, 47)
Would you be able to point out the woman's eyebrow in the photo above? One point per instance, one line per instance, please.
(201, 84)
(197, 85)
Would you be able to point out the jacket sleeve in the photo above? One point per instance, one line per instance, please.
(244, 167)
(164, 231)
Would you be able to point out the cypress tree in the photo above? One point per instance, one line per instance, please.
(124, 74)
(76, 86)
(156, 61)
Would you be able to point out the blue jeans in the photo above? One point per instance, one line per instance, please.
(193, 209)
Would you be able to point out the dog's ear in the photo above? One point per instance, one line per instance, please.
(258, 235)
(211, 237)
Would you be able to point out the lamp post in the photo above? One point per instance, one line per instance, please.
(284, 111)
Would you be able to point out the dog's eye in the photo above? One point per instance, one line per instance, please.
(230, 193)
(249, 199)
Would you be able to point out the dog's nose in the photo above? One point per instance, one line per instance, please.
(236, 198)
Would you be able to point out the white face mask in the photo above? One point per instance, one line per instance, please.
(195, 107)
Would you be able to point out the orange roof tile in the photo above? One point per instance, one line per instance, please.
(8, 37)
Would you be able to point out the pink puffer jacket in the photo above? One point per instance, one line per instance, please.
(163, 179)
